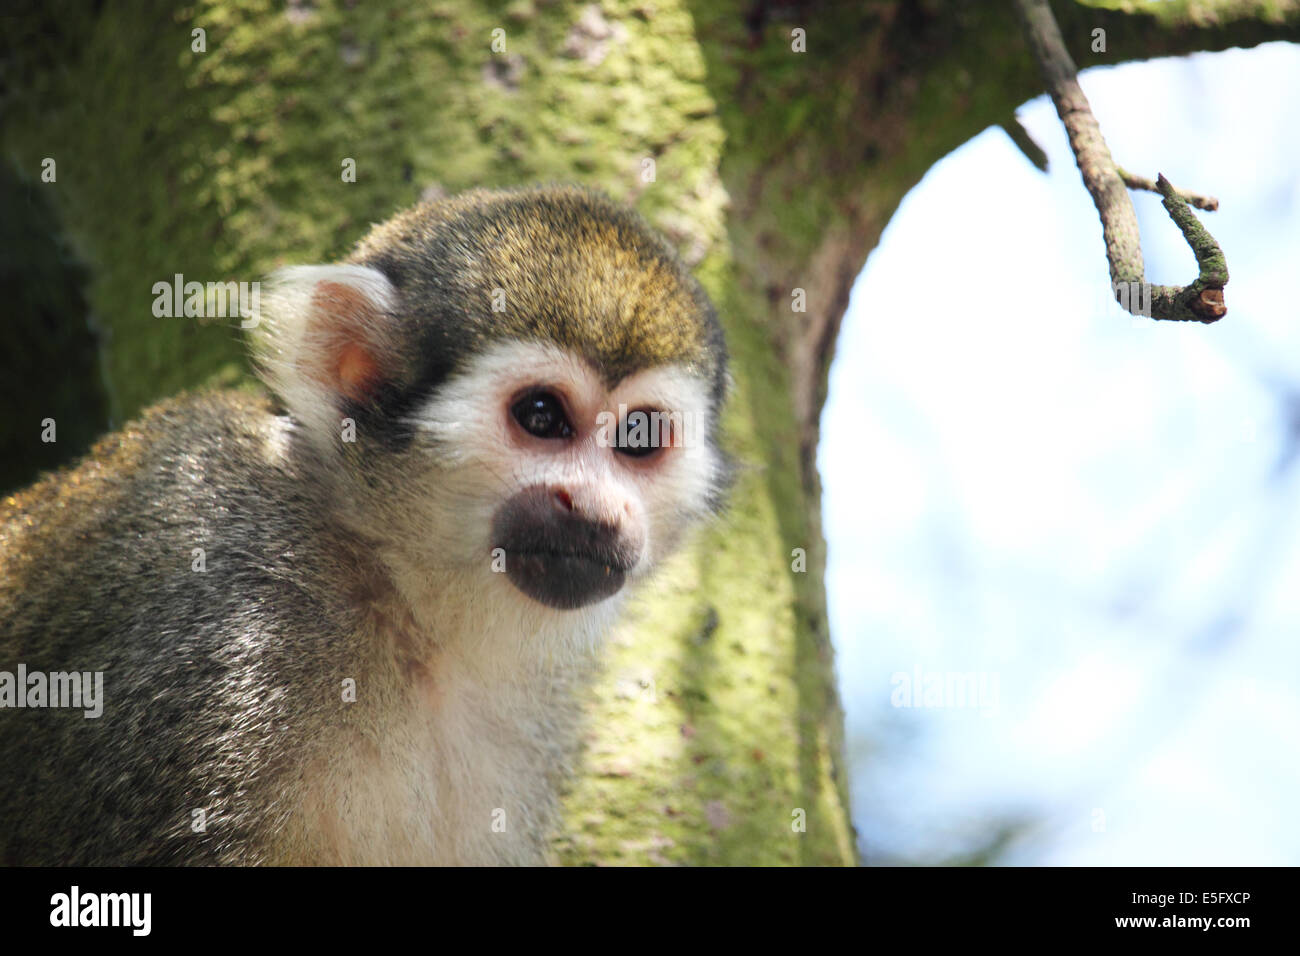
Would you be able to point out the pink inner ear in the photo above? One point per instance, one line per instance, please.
(358, 373)
(344, 318)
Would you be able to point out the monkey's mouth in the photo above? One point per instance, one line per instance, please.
(558, 556)
(566, 581)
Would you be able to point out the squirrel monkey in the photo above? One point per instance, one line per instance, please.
(349, 624)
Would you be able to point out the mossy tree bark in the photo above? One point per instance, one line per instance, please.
(778, 157)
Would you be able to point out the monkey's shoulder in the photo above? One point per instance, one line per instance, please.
(166, 560)
(180, 430)
(191, 511)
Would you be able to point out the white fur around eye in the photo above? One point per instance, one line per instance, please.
(468, 423)
(470, 407)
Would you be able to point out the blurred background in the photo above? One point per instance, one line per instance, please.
(1072, 535)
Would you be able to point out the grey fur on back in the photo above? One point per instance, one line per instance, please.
(204, 690)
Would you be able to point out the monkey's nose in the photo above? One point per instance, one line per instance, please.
(583, 502)
(559, 551)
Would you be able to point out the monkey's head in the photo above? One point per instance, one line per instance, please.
(515, 393)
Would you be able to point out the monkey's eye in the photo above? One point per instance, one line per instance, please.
(540, 413)
(642, 434)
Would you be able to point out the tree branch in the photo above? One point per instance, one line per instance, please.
(1134, 181)
(1202, 300)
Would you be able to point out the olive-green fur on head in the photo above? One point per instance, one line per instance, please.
(556, 264)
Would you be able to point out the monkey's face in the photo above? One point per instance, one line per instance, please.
(568, 487)
(517, 391)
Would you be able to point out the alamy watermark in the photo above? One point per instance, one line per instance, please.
(646, 429)
(83, 690)
(972, 690)
(77, 908)
(215, 300)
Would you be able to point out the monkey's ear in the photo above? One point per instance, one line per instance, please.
(325, 336)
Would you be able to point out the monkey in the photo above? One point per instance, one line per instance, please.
(349, 618)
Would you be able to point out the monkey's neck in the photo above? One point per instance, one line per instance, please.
(489, 692)
(478, 619)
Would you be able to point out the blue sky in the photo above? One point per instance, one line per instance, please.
(1090, 512)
